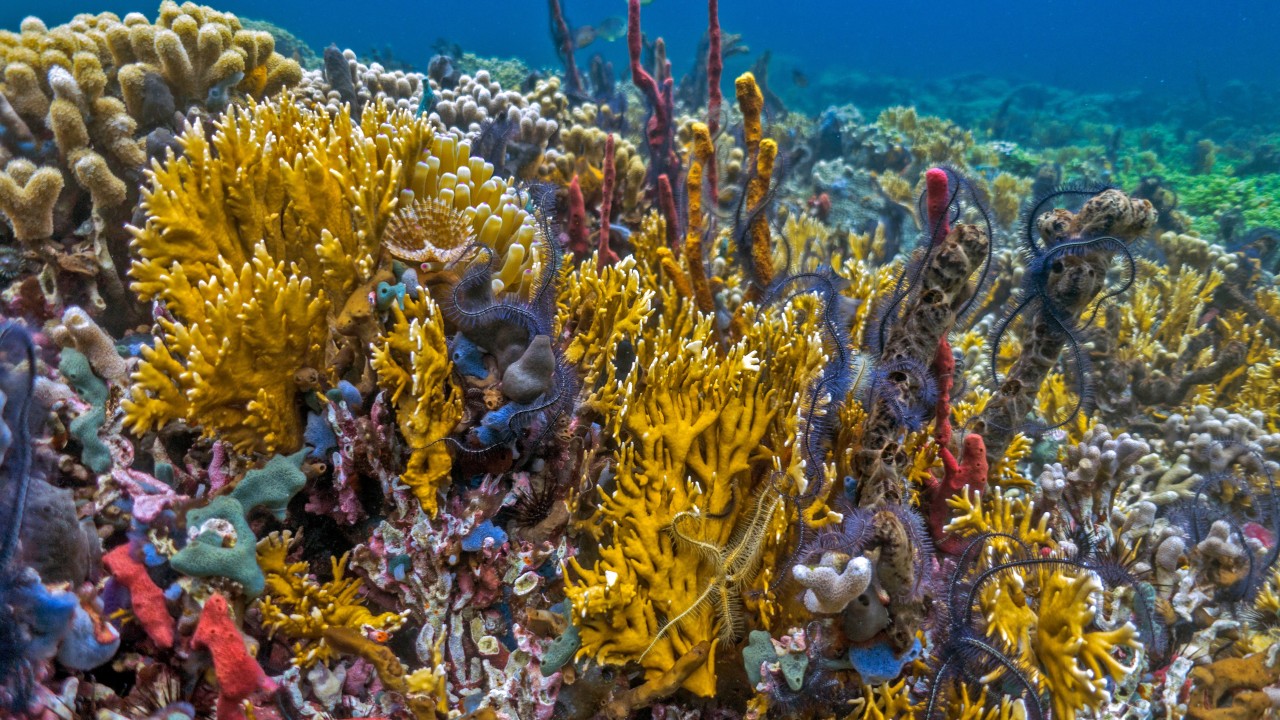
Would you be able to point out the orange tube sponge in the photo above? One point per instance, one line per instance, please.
(702, 156)
(751, 103)
(759, 233)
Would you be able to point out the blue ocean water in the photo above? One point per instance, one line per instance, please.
(1153, 46)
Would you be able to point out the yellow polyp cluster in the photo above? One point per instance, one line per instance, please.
(581, 154)
(294, 204)
(412, 363)
(1074, 663)
(195, 49)
(694, 513)
(86, 84)
(297, 606)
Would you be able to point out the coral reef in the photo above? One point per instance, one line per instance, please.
(495, 392)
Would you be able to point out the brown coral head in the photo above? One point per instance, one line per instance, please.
(306, 379)
(430, 230)
(1073, 280)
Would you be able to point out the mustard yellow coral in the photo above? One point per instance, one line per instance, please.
(300, 608)
(291, 189)
(1075, 662)
(412, 363)
(690, 515)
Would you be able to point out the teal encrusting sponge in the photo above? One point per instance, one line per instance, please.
(75, 367)
(270, 487)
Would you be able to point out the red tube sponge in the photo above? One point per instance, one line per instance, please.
(147, 597)
(239, 674)
(579, 238)
(936, 202)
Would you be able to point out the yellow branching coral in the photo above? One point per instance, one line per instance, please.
(999, 514)
(298, 607)
(931, 140)
(602, 308)
(968, 708)
(412, 363)
(214, 362)
(804, 240)
(1075, 663)
(888, 701)
(275, 187)
(290, 188)
(691, 517)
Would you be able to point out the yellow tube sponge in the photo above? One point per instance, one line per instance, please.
(297, 606)
(412, 362)
(693, 516)
(27, 197)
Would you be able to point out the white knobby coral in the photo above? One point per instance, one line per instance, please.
(834, 582)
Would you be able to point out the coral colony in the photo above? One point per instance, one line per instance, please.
(351, 392)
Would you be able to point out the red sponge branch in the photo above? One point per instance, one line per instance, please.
(970, 471)
(146, 597)
(658, 136)
(578, 238)
(565, 38)
(715, 67)
(937, 198)
(606, 255)
(239, 674)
